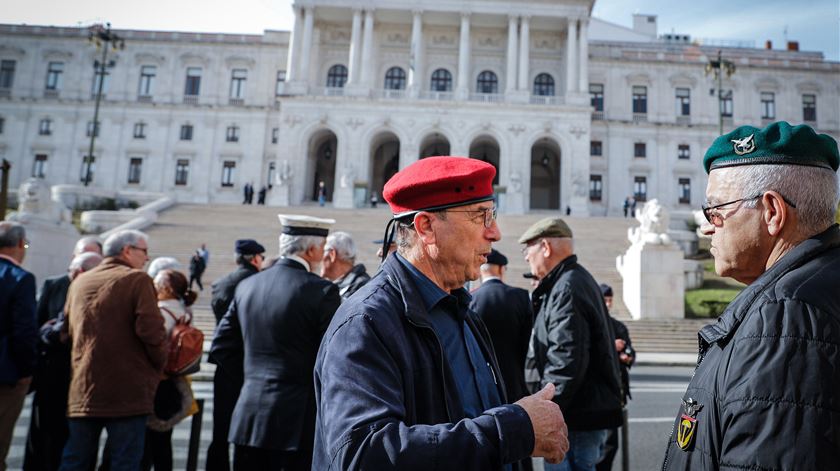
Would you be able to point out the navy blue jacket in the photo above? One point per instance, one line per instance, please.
(386, 395)
(18, 326)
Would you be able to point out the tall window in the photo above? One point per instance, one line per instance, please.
(640, 149)
(186, 132)
(45, 127)
(487, 82)
(337, 76)
(237, 83)
(39, 167)
(639, 99)
(232, 134)
(768, 105)
(596, 148)
(140, 130)
(683, 96)
(395, 79)
(182, 171)
(147, 78)
(134, 167)
(684, 190)
(192, 86)
(640, 188)
(7, 74)
(54, 71)
(595, 187)
(441, 81)
(2, 124)
(281, 79)
(228, 172)
(97, 77)
(596, 96)
(92, 130)
(683, 151)
(544, 85)
(726, 103)
(809, 108)
(275, 135)
(88, 167)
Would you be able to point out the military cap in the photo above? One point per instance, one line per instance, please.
(496, 258)
(606, 290)
(249, 247)
(300, 225)
(548, 227)
(436, 183)
(778, 143)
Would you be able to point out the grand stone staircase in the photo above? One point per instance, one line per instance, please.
(182, 229)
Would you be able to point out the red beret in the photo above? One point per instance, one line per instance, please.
(438, 183)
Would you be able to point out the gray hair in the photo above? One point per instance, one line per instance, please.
(406, 236)
(343, 245)
(85, 261)
(11, 233)
(162, 263)
(295, 244)
(85, 242)
(812, 189)
(115, 244)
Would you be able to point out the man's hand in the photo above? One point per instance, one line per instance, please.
(619, 345)
(551, 437)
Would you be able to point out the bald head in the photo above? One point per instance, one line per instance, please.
(88, 244)
(83, 262)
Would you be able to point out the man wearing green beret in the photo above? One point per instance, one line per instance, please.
(764, 394)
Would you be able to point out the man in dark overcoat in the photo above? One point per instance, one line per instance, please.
(277, 318)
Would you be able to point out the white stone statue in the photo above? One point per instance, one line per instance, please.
(515, 182)
(653, 229)
(348, 176)
(284, 173)
(35, 202)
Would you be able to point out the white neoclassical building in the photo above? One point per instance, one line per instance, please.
(573, 111)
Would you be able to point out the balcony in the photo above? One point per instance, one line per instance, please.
(597, 116)
(236, 101)
(51, 93)
(144, 98)
(334, 91)
(190, 99)
(640, 117)
(546, 100)
(390, 94)
(487, 97)
(684, 120)
(436, 96)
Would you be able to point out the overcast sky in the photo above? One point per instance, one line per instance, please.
(814, 23)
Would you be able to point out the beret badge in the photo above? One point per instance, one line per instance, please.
(745, 145)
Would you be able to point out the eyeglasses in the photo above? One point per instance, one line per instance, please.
(25, 244)
(489, 214)
(715, 218)
(142, 249)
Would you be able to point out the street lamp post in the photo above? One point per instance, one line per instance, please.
(105, 39)
(720, 67)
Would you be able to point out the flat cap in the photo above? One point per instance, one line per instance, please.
(778, 143)
(299, 225)
(437, 183)
(548, 227)
(249, 247)
(496, 258)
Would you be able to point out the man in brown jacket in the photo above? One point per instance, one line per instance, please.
(118, 354)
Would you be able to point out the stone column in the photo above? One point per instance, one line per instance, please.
(583, 58)
(524, 53)
(571, 56)
(355, 44)
(415, 61)
(294, 47)
(306, 47)
(510, 81)
(367, 51)
(463, 90)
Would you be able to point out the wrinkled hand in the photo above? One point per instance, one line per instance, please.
(551, 437)
(625, 358)
(619, 345)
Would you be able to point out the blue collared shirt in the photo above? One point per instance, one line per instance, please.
(473, 374)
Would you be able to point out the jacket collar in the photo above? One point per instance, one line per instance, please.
(115, 261)
(9, 259)
(293, 261)
(399, 277)
(549, 280)
(806, 251)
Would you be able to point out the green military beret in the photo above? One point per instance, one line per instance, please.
(548, 227)
(778, 143)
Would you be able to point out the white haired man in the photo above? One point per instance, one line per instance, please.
(339, 264)
(764, 392)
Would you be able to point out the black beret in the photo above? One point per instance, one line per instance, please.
(496, 258)
(249, 247)
(606, 290)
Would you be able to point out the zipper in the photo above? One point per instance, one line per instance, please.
(701, 355)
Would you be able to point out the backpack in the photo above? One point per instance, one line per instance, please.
(186, 344)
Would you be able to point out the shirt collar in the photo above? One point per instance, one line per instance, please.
(488, 278)
(299, 260)
(431, 293)
(15, 262)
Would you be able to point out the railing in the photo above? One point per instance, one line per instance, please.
(236, 101)
(487, 97)
(546, 100)
(640, 117)
(683, 120)
(334, 91)
(390, 94)
(437, 96)
(190, 99)
(51, 93)
(144, 98)
(597, 115)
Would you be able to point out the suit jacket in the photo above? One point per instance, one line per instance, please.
(277, 317)
(18, 329)
(51, 298)
(507, 313)
(224, 288)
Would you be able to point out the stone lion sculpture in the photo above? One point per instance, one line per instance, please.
(653, 225)
(35, 201)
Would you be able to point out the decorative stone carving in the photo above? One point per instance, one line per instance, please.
(517, 129)
(284, 173)
(35, 202)
(355, 122)
(348, 175)
(653, 229)
(397, 38)
(443, 40)
(577, 131)
(515, 182)
(146, 58)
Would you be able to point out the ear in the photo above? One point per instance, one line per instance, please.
(546, 248)
(423, 226)
(775, 212)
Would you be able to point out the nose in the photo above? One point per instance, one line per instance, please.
(493, 233)
(707, 228)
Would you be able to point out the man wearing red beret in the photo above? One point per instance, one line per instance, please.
(406, 377)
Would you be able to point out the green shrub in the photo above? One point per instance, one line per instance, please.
(708, 302)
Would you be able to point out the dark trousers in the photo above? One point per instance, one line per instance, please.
(126, 436)
(197, 278)
(47, 432)
(246, 458)
(226, 389)
(610, 449)
(157, 452)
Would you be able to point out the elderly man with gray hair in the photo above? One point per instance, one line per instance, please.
(339, 264)
(118, 350)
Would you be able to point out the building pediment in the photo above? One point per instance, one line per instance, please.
(240, 61)
(148, 58)
(639, 79)
(57, 54)
(11, 51)
(767, 84)
(682, 80)
(192, 58)
(808, 87)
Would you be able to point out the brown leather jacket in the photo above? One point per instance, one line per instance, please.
(118, 342)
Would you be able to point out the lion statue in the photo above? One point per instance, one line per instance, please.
(653, 225)
(35, 202)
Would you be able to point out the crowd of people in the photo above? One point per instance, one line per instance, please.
(320, 365)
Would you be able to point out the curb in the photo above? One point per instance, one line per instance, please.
(665, 359)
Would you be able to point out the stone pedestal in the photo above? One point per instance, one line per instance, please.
(654, 281)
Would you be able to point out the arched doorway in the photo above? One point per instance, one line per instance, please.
(433, 145)
(322, 156)
(545, 175)
(385, 161)
(485, 148)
